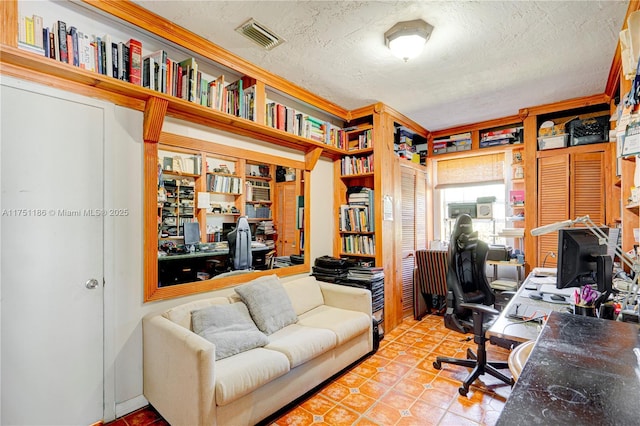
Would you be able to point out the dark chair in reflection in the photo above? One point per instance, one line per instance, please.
(469, 300)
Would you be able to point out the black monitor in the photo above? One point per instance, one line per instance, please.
(582, 260)
(191, 233)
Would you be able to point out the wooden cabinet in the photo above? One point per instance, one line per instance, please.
(570, 184)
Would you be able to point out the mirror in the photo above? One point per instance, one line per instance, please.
(220, 213)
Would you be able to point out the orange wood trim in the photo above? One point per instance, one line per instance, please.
(155, 24)
(14, 61)
(615, 71)
(311, 158)
(9, 33)
(150, 220)
(483, 125)
(404, 120)
(581, 102)
(174, 140)
(174, 291)
(306, 176)
(153, 119)
(530, 164)
(13, 70)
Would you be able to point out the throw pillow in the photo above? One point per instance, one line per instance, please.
(268, 303)
(229, 327)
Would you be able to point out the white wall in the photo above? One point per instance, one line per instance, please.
(124, 298)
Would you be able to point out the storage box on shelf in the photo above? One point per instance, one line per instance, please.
(408, 144)
(453, 143)
(501, 136)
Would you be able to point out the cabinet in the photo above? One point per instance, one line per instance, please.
(570, 184)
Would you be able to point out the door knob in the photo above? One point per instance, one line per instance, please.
(92, 284)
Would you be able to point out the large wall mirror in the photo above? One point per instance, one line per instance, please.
(218, 215)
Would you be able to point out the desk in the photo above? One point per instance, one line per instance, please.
(184, 267)
(496, 263)
(514, 329)
(581, 371)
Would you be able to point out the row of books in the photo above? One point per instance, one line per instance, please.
(125, 61)
(363, 196)
(354, 218)
(359, 140)
(226, 184)
(358, 244)
(352, 165)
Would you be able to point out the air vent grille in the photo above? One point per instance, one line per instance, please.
(260, 34)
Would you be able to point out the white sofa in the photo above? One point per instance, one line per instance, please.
(188, 386)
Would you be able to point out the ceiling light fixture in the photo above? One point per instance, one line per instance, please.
(406, 39)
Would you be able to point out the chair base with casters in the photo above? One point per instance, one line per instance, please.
(477, 361)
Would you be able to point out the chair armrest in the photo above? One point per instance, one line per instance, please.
(179, 372)
(480, 308)
(345, 297)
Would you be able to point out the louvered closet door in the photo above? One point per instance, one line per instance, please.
(414, 235)
(553, 201)
(587, 186)
(408, 238)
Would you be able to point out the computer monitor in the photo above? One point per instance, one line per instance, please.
(582, 260)
(191, 233)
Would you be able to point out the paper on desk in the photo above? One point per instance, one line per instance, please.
(550, 272)
(551, 289)
(542, 280)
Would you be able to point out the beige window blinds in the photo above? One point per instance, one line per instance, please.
(470, 170)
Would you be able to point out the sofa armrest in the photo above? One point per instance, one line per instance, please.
(179, 375)
(345, 297)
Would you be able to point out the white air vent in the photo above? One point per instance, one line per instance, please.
(260, 34)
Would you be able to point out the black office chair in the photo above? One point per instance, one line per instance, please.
(240, 254)
(469, 300)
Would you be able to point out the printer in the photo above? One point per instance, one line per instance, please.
(499, 252)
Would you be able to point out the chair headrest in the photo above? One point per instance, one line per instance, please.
(463, 235)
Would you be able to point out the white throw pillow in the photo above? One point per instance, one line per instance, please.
(229, 327)
(268, 303)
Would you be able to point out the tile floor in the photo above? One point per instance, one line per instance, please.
(396, 386)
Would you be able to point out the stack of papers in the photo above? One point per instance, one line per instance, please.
(511, 233)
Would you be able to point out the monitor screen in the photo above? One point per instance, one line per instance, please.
(579, 252)
(191, 233)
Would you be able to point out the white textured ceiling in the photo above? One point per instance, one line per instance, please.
(485, 59)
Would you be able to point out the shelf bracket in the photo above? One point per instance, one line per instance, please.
(311, 158)
(154, 112)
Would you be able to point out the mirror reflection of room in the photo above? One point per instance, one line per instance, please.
(221, 216)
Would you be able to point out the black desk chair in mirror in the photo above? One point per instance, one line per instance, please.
(469, 300)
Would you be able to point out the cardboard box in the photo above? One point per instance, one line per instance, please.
(552, 142)
(557, 129)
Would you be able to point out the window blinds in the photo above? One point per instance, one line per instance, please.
(470, 170)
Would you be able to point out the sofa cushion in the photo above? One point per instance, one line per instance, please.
(181, 314)
(301, 344)
(344, 323)
(229, 327)
(241, 374)
(305, 294)
(268, 303)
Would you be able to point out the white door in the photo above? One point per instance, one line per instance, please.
(52, 246)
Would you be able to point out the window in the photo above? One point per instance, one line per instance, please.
(487, 228)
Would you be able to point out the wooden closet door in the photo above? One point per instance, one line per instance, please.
(408, 238)
(587, 186)
(414, 230)
(553, 201)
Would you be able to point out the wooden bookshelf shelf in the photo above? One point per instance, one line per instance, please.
(46, 71)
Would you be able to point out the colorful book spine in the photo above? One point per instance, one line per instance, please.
(135, 61)
(62, 42)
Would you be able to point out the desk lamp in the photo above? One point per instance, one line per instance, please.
(632, 263)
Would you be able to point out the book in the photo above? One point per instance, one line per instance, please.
(61, 37)
(135, 61)
(73, 47)
(69, 49)
(107, 55)
(38, 36)
(148, 71)
(114, 71)
(46, 44)
(189, 75)
(29, 34)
